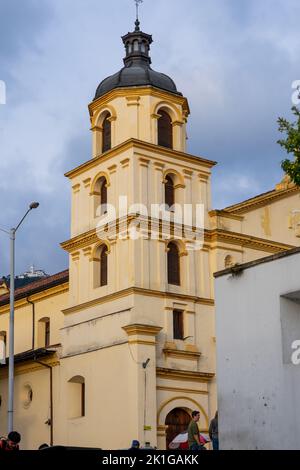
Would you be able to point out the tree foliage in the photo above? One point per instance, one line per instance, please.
(292, 145)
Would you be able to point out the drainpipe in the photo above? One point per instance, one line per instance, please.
(33, 321)
(50, 421)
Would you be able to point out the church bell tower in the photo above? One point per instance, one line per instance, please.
(134, 302)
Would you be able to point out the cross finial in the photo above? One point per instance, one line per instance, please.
(138, 2)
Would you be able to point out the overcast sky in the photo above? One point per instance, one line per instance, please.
(235, 60)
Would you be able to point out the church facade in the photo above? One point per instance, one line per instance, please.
(121, 346)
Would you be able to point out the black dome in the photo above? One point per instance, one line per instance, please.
(137, 71)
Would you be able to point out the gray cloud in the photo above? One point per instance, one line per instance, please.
(235, 61)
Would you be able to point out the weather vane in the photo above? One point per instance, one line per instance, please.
(137, 3)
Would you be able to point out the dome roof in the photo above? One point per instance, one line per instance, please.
(137, 71)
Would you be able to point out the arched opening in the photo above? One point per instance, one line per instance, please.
(173, 264)
(101, 196)
(76, 397)
(106, 133)
(44, 338)
(177, 421)
(169, 192)
(165, 130)
(101, 267)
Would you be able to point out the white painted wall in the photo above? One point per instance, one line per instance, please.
(258, 385)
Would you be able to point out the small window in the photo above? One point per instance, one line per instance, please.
(44, 337)
(135, 46)
(178, 327)
(143, 47)
(173, 264)
(169, 192)
(76, 397)
(106, 134)
(165, 130)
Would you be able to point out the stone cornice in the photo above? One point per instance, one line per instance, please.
(137, 92)
(137, 291)
(261, 200)
(248, 241)
(190, 376)
(138, 144)
(225, 214)
(182, 354)
(144, 330)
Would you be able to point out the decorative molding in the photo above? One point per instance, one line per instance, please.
(248, 241)
(125, 162)
(145, 91)
(87, 182)
(180, 390)
(138, 291)
(181, 354)
(112, 169)
(76, 188)
(139, 145)
(225, 214)
(144, 343)
(190, 376)
(261, 200)
(139, 329)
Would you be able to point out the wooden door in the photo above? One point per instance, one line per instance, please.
(177, 421)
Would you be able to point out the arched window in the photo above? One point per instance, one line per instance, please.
(100, 197)
(103, 266)
(106, 133)
(76, 397)
(173, 264)
(103, 195)
(44, 332)
(165, 130)
(169, 191)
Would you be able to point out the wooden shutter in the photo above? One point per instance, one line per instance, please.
(169, 192)
(178, 324)
(103, 267)
(106, 134)
(173, 265)
(165, 130)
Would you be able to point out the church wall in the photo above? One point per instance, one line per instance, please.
(278, 221)
(29, 417)
(50, 307)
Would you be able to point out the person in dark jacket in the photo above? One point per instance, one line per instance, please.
(11, 443)
(214, 432)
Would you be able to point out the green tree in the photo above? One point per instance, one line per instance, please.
(292, 145)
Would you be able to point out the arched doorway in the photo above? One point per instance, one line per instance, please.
(177, 421)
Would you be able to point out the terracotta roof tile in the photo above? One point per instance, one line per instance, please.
(37, 286)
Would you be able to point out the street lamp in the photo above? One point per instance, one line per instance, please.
(11, 378)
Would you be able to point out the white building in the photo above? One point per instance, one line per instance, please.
(258, 353)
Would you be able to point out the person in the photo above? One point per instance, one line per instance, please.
(193, 432)
(135, 445)
(214, 432)
(11, 443)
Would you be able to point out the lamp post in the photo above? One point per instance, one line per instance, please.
(11, 378)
